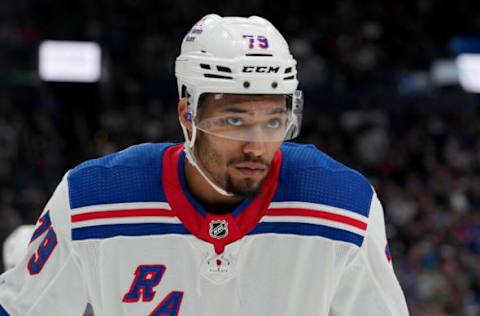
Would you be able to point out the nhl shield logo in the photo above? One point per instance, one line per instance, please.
(219, 229)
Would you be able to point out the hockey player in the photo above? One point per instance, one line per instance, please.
(234, 221)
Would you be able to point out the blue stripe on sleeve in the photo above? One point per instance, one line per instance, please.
(108, 231)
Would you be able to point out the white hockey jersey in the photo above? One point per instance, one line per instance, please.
(123, 233)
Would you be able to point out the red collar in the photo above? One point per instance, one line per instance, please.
(219, 230)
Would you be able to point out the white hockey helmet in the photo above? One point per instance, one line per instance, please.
(235, 55)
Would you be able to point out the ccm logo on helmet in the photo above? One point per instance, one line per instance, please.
(261, 69)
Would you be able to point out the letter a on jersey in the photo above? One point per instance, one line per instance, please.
(170, 306)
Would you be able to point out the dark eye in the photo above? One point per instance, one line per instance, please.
(274, 124)
(234, 121)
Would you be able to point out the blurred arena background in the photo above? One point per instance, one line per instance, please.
(384, 90)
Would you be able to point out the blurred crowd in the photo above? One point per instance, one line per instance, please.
(425, 168)
(366, 105)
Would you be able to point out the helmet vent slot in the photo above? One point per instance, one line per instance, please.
(204, 66)
(288, 70)
(289, 78)
(224, 69)
(216, 76)
(259, 55)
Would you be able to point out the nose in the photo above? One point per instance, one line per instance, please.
(254, 148)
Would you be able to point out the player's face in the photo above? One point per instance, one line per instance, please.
(240, 165)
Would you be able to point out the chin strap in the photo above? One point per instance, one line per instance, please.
(188, 148)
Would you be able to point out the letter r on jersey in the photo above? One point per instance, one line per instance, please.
(146, 278)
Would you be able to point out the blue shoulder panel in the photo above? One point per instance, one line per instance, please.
(3, 312)
(131, 175)
(309, 175)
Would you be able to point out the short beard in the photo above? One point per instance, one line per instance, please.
(243, 190)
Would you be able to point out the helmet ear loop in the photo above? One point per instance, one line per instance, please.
(190, 140)
(189, 117)
(194, 134)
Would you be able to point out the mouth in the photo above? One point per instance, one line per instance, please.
(251, 169)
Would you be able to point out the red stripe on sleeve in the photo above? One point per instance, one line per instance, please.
(122, 213)
(317, 214)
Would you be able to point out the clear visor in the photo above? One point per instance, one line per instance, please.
(270, 118)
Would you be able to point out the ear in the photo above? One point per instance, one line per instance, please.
(183, 114)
